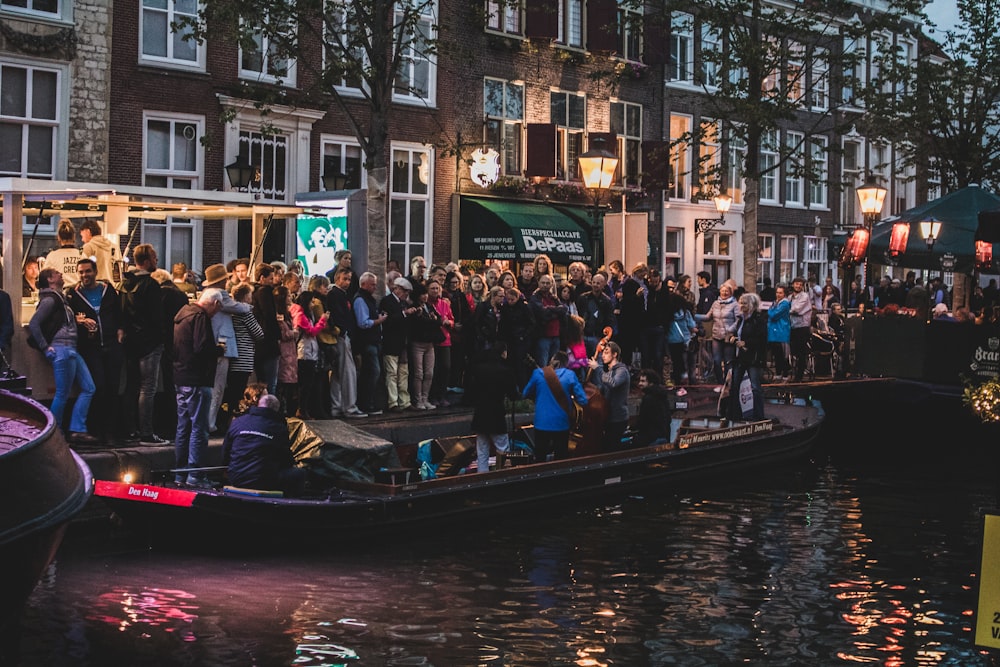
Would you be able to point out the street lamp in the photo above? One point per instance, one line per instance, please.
(871, 197)
(241, 173)
(598, 167)
(334, 180)
(930, 229)
(722, 204)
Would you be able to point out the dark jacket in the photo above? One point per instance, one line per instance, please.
(655, 411)
(754, 334)
(373, 334)
(142, 310)
(195, 351)
(424, 326)
(487, 326)
(174, 298)
(6, 320)
(394, 327)
(109, 320)
(517, 324)
(256, 449)
(490, 382)
(596, 313)
(267, 315)
(341, 312)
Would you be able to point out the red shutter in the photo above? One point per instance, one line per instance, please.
(602, 25)
(541, 19)
(541, 150)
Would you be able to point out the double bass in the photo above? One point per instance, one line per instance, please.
(588, 431)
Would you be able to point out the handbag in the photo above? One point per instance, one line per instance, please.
(746, 395)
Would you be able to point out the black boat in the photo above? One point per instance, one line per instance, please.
(43, 484)
(395, 496)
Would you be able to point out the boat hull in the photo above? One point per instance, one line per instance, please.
(43, 484)
(235, 518)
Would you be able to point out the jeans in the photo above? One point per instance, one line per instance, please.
(343, 379)
(652, 343)
(143, 376)
(191, 443)
(267, 373)
(68, 366)
(545, 348)
(483, 442)
(723, 354)
(371, 370)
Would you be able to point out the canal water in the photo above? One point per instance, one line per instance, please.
(866, 551)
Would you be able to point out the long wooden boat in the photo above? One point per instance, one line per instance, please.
(399, 499)
(43, 484)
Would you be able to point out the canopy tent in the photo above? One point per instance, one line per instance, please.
(958, 213)
(517, 230)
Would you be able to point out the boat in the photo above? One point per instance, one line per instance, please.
(379, 486)
(43, 484)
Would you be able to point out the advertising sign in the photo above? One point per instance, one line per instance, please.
(988, 607)
(318, 238)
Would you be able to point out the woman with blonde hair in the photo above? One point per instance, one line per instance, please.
(543, 266)
(477, 290)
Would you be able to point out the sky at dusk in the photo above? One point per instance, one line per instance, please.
(944, 13)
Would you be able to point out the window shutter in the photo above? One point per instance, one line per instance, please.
(541, 19)
(541, 150)
(655, 42)
(656, 165)
(602, 26)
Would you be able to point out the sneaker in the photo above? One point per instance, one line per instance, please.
(374, 413)
(355, 414)
(396, 408)
(430, 406)
(419, 406)
(200, 483)
(152, 440)
(717, 389)
(83, 438)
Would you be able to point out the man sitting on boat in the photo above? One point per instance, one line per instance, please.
(257, 452)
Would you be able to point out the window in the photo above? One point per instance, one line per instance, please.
(343, 156)
(571, 23)
(852, 179)
(503, 103)
(31, 6)
(814, 256)
(709, 159)
(711, 40)
(268, 153)
(504, 16)
(819, 80)
(736, 155)
(173, 151)
(855, 70)
(771, 84)
(626, 122)
(789, 259)
(819, 173)
(795, 74)
(769, 166)
(933, 178)
(680, 157)
(673, 244)
(681, 65)
(159, 44)
(765, 259)
(717, 250)
(629, 32)
(409, 205)
(568, 112)
(794, 167)
(261, 63)
(351, 57)
(30, 104)
(416, 77)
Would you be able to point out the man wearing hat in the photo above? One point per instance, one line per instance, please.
(396, 306)
(222, 328)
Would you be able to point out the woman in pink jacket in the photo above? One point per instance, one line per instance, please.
(442, 350)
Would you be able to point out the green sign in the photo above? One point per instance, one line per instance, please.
(318, 239)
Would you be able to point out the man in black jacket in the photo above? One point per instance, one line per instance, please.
(397, 307)
(195, 356)
(145, 331)
(491, 380)
(256, 450)
(344, 378)
(101, 349)
(596, 310)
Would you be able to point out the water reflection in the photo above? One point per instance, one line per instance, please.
(822, 562)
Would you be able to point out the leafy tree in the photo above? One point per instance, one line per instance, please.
(951, 116)
(373, 48)
(775, 67)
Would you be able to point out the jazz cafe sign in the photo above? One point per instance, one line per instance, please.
(485, 167)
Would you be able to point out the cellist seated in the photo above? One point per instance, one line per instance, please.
(553, 387)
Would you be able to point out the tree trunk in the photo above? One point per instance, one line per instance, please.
(377, 223)
(750, 252)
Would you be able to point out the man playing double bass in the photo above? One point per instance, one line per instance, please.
(553, 388)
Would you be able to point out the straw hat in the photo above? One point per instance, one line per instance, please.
(215, 274)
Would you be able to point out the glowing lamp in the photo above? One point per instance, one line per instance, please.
(855, 248)
(898, 239)
(871, 197)
(930, 229)
(598, 165)
(984, 255)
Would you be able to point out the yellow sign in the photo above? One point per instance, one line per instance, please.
(988, 609)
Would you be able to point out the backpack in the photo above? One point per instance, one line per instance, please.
(50, 326)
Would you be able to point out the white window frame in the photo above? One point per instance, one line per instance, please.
(789, 258)
(736, 153)
(794, 185)
(849, 93)
(412, 59)
(852, 175)
(509, 141)
(405, 168)
(571, 23)
(795, 74)
(505, 17)
(344, 145)
(673, 249)
(680, 69)
(629, 140)
(176, 177)
(170, 14)
(271, 70)
(768, 161)
(765, 258)
(819, 80)
(27, 121)
(630, 33)
(342, 19)
(814, 256)
(717, 254)
(710, 158)
(711, 42)
(819, 172)
(680, 157)
(568, 151)
(30, 9)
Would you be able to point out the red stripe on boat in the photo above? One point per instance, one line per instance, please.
(144, 493)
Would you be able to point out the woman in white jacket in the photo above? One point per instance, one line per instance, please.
(722, 315)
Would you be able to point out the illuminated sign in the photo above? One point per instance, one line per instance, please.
(318, 238)
(144, 493)
(485, 167)
(988, 608)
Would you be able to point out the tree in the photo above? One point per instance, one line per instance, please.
(371, 48)
(949, 102)
(766, 67)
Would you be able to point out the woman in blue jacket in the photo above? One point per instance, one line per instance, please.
(779, 331)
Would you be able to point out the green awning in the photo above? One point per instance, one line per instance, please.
(503, 229)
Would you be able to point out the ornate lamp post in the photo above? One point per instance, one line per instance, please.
(871, 197)
(598, 167)
(722, 204)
